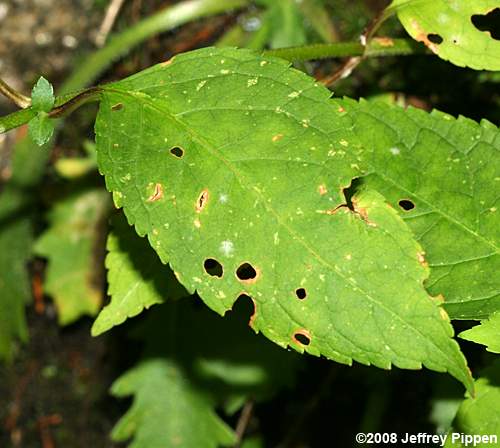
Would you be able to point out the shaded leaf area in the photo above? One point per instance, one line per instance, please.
(71, 245)
(440, 174)
(195, 361)
(254, 205)
(452, 30)
(480, 415)
(136, 278)
(166, 410)
(487, 333)
(17, 211)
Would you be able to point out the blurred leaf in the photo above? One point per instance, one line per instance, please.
(222, 353)
(167, 411)
(319, 18)
(15, 250)
(479, 415)
(448, 28)
(71, 245)
(438, 172)
(17, 205)
(487, 333)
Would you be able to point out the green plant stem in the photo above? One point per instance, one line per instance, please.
(376, 48)
(122, 43)
(119, 45)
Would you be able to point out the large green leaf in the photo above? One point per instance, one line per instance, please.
(167, 410)
(136, 278)
(488, 333)
(71, 245)
(479, 416)
(446, 169)
(234, 165)
(447, 28)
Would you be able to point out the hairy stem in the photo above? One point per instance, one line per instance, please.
(382, 46)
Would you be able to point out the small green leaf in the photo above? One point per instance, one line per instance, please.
(254, 205)
(42, 96)
(439, 173)
(70, 245)
(448, 28)
(487, 333)
(136, 278)
(41, 128)
(168, 410)
(479, 416)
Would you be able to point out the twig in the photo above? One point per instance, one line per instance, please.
(241, 426)
(16, 97)
(365, 39)
(108, 22)
(44, 424)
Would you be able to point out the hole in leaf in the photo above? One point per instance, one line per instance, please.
(301, 293)
(245, 308)
(177, 152)
(302, 337)
(213, 267)
(435, 38)
(488, 22)
(406, 205)
(202, 201)
(116, 107)
(246, 272)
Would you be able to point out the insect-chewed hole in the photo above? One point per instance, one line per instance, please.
(302, 337)
(301, 293)
(246, 272)
(177, 152)
(435, 38)
(118, 106)
(213, 267)
(488, 22)
(406, 205)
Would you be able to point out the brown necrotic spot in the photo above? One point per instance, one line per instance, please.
(435, 38)
(302, 337)
(301, 293)
(213, 267)
(246, 273)
(118, 106)
(489, 23)
(157, 193)
(202, 200)
(406, 205)
(177, 152)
